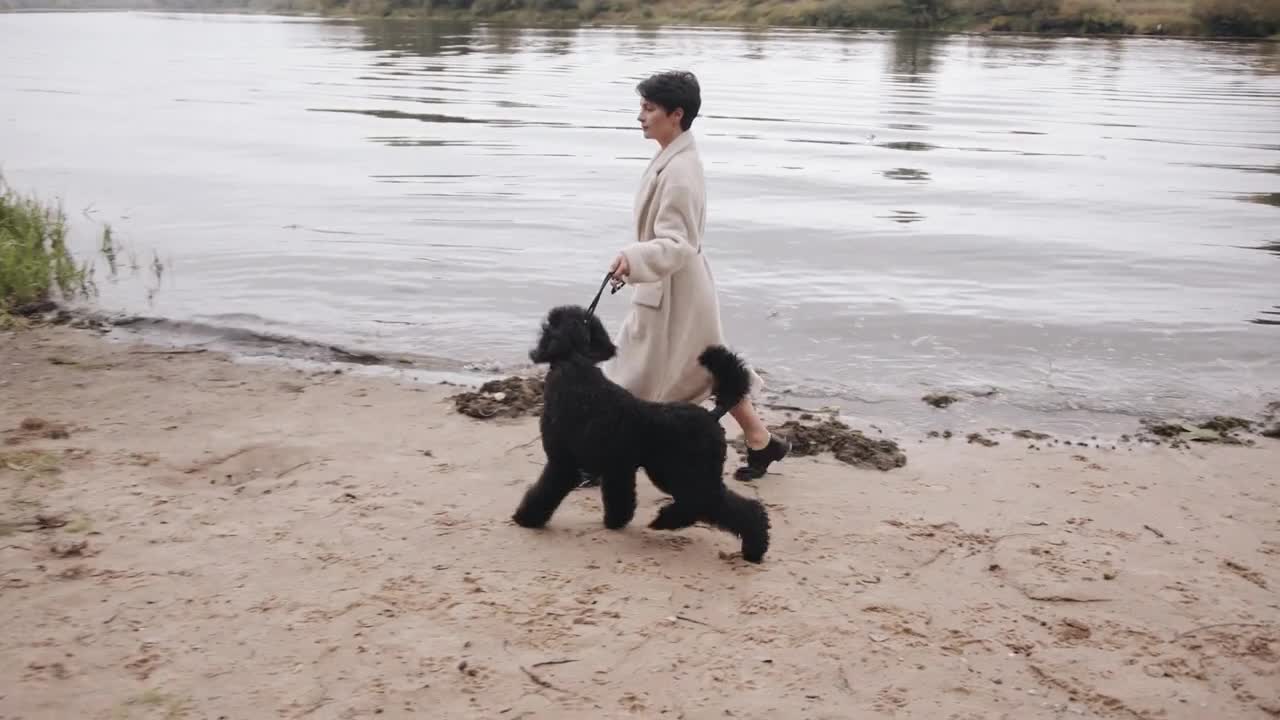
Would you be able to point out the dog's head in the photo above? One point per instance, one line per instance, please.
(570, 331)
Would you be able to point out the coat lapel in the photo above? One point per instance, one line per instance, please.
(677, 146)
(649, 181)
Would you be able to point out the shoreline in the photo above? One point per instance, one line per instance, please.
(1085, 27)
(931, 416)
(176, 524)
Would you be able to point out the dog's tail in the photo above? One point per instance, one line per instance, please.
(731, 377)
(744, 517)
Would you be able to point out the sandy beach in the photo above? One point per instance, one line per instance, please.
(184, 535)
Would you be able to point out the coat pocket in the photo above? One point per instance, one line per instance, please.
(648, 295)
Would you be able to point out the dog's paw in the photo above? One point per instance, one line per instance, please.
(527, 520)
(753, 551)
(618, 522)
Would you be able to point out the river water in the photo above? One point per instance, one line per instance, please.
(1080, 224)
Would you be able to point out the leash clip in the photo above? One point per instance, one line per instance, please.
(617, 285)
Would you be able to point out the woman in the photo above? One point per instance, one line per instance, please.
(675, 314)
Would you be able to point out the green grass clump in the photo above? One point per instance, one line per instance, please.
(35, 264)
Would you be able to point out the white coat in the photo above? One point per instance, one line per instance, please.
(674, 314)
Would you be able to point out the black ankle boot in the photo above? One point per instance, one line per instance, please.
(758, 461)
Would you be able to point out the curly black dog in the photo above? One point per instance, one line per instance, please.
(592, 424)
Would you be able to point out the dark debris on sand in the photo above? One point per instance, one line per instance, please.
(846, 444)
(1271, 417)
(34, 427)
(48, 312)
(511, 397)
(980, 439)
(1031, 435)
(1226, 423)
(1221, 429)
(940, 400)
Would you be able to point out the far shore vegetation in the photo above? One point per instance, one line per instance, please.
(1206, 18)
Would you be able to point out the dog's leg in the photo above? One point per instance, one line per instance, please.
(675, 516)
(744, 517)
(619, 494)
(543, 497)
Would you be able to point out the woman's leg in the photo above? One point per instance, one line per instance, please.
(753, 428)
(763, 449)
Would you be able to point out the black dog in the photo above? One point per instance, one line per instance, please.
(591, 424)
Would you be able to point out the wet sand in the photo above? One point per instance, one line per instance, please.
(185, 536)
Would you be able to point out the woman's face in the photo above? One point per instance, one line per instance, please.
(658, 124)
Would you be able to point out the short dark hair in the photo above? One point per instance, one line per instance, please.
(672, 90)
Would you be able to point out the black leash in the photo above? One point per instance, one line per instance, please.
(591, 309)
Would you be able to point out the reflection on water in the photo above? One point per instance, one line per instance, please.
(914, 55)
(909, 145)
(890, 212)
(904, 216)
(1272, 316)
(906, 106)
(907, 174)
(403, 38)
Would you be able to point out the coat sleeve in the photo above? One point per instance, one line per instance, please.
(675, 227)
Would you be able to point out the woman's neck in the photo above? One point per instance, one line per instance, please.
(663, 144)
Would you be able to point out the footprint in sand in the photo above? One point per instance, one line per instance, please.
(890, 699)
(894, 622)
(1058, 567)
(253, 463)
(46, 671)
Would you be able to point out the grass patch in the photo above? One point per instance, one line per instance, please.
(168, 706)
(36, 267)
(35, 264)
(81, 524)
(9, 321)
(35, 470)
(30, 463)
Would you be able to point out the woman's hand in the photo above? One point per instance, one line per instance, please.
(620, 268)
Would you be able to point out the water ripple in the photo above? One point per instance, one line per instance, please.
(1076, 221)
